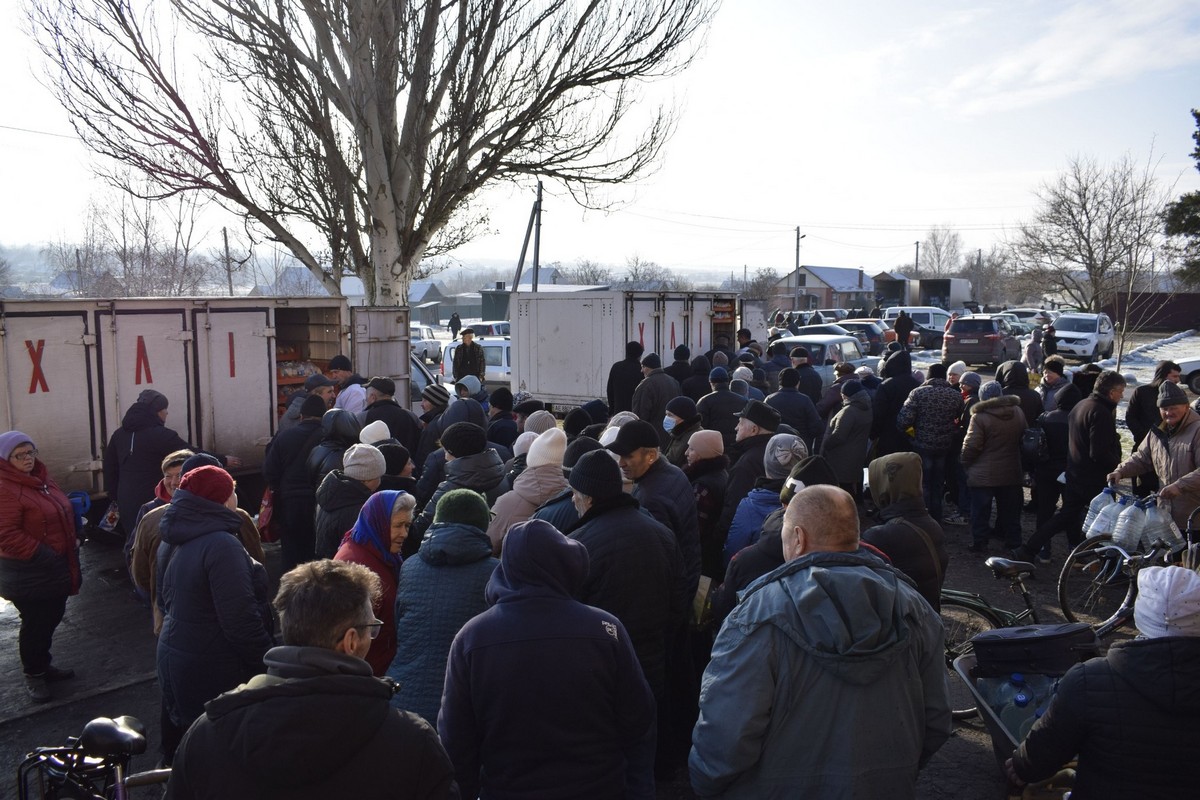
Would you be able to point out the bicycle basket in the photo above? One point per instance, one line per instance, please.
(64, 773)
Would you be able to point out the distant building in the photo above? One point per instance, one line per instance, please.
(291, 282)
(812, 287)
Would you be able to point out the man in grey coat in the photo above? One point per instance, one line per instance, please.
(651, 396)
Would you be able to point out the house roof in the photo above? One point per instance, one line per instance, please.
(550, 275)
(842, 279)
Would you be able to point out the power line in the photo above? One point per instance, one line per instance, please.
(40, 133)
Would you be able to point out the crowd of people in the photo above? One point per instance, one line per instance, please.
(497, 605)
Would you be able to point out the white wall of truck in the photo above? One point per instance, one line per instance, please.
(565, 342)
(72, 368)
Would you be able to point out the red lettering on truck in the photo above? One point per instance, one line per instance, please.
(143, 361)
(35, 355)
(232, 360)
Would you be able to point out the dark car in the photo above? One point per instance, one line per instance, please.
(874, 332)
(979, 339)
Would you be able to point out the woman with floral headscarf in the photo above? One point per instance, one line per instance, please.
(375, 542)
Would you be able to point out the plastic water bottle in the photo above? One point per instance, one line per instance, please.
(1106, 498)
(1159, 525)
(1041, 687)
(1014, 715)
(999, 692)
(1106, 520)
(1029, 723)
(1127, 533)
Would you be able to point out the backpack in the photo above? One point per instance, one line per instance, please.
(1034, 449)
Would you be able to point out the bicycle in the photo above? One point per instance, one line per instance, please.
(965, 614)
(91, 766)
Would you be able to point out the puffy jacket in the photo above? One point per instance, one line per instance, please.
(665, 492)
(502, 429)
(718, 412)
(559, 511)
(532, 487)
(1174, 456)
(39, 555)
(677, 441)
(340, 429)
(1013, 376)
(1131, 717)
(749, 564)
(650, 400)
(831, 398)
(339, 499)
(316, 725)
(824, 643)
(932, 410)
(898, 383)
(440, 588)
(751, 512)
(133, 459)
(797, 410)
(215, 603)
(383, 646)
(746, 457)
(811, 383)
(1095, 445)
(481, 472)
(845, 444)
(991, 451)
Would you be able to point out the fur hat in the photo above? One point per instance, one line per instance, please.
(549, 448)
(376, 431)
(211, 483)
(761, 414)
(1168, 602)
(363, 462)
(436, 394)
(465, 507)
(540, 422)
(707, 444)
(464, 439)
(783, 452)
(596, 475)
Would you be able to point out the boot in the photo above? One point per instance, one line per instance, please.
(39, 692)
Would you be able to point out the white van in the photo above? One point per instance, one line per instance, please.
(925, 316)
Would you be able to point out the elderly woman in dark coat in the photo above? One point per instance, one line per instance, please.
(39, 557)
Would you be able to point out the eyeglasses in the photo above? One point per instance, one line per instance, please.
(373, 627)
(25, 455)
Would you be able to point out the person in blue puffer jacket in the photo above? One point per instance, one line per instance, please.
(783, 452)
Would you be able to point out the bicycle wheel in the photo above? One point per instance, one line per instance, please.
(1095, 587)
(961, 621)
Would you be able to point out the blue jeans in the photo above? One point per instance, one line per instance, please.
(933, 477)
(1009, 500)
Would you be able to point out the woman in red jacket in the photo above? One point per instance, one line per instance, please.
(39, 557)
(375, 542)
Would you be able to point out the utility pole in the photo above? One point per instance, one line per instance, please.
(917, 261)
(537, 237)
(799, 236)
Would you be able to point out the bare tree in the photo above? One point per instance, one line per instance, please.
(941, 252)
(762, 285)
(588, 273)
(1094, 232)
(989, 275)
(5, 271)
(372, 123)
(642, 275)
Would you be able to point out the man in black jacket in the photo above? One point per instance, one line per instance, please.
(757, 423)
(681, 368)
(720, 408)
(468, 358)
(286, 473)
(381, 405)
(623, 378)
(797, 409)
(810, 382)
(317, 724)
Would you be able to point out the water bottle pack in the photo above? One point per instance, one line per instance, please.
(1106, 520)
(1106, 498)
(1018, 700)
(1127, 533)
(1159, 527)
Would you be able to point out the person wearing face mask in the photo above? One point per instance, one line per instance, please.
(680, 422)
(375, 542)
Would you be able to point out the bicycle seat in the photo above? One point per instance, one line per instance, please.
(1007, 568)
(123, 736)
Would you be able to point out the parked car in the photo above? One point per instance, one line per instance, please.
(979, 339)
(833, 329)
(873, 329)
(494, 328)
(1189, 369)
(833, 314)
(1033, 316)
(424, 343)
(1086, 336)
(928, 323)
(497, 356)
(825, 351)
(1019, 327)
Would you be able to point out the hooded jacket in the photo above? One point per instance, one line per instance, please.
(534, 486)
(1013, 376)
(316, 725)
(1131, 717)
(991, 451)
(544, 695)
(709, 478)
(898, 383)
(1142, 413)
(340, 429)
(896, 489)
(215, 603)
(696, 385)
(39, 555)
(339, 499)
(133, 459)
(440, 588)
(932, 411)
(1094, 444)
(1174, 456)
(677, 441)
(845, 444)
(481, 472)
(747, 525)
(824, 643)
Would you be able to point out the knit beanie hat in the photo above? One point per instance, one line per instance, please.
(990, 390)
(523, 443)
(382, 385)
(707, 444)
(395, 456)
(743, 374)
(936, 370)
(502, 399)
(363, 462)
(464, 439)
(436, 394)
(652, 361)
(540, 422)
(576, 420)
(597, 410)
(313, 406)
(377, 431)
(465, 507)
(971, 380)
(851, 388)
(11, 441)
(789, 378)
(596, 475)
(683, 407)
(1168, 602)
(957, 368)
(548, 448)
(576, 449)
(1169, 394)
(782, 453)
(718, 374)
(156, 400)
(197, 461)
(719, 359)
(682, 353)
(341, 362)
(211, 483)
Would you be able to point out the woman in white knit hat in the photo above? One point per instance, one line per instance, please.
(541, 480)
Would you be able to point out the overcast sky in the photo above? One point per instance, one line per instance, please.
(863, 123)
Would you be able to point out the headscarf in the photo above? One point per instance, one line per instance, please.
(373, 528)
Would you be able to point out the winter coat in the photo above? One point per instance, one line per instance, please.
(1033, 356)
(316, 725)
(383, 646)
(677, 441)
(1174, 456)
(932, 410)
(1054, 393)
(1131, 716)
(352, 395)
(650, 400)
(824, 643)
(680, 370)
(903, 326)
(339, 499)
(635, 573)
(403, 424)
(718, 412)
(481, 472)
(431, 430)
(544, 695)
(898, 492)
(831, 398)
(340, 429)
(1095, 445)
(1013, 376)
(133, 459)
(1142, 413)
(747, 459)
(468, 360)
(286, 466)
(502, 429)
(440, 588)
(845, 444)
(811, 383)
(532, 487)
(433, 464)
(559, 511)
(1056, 426)
(898, 383)
(749, 564)
(39, 554)
(696, 385)
(991, 451)
(797, 410)
(750, 515)
(215, 603)
(665, 492)
(709, 478)
(623, 377)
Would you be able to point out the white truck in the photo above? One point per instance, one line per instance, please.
(72, 367)
(563, 343)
